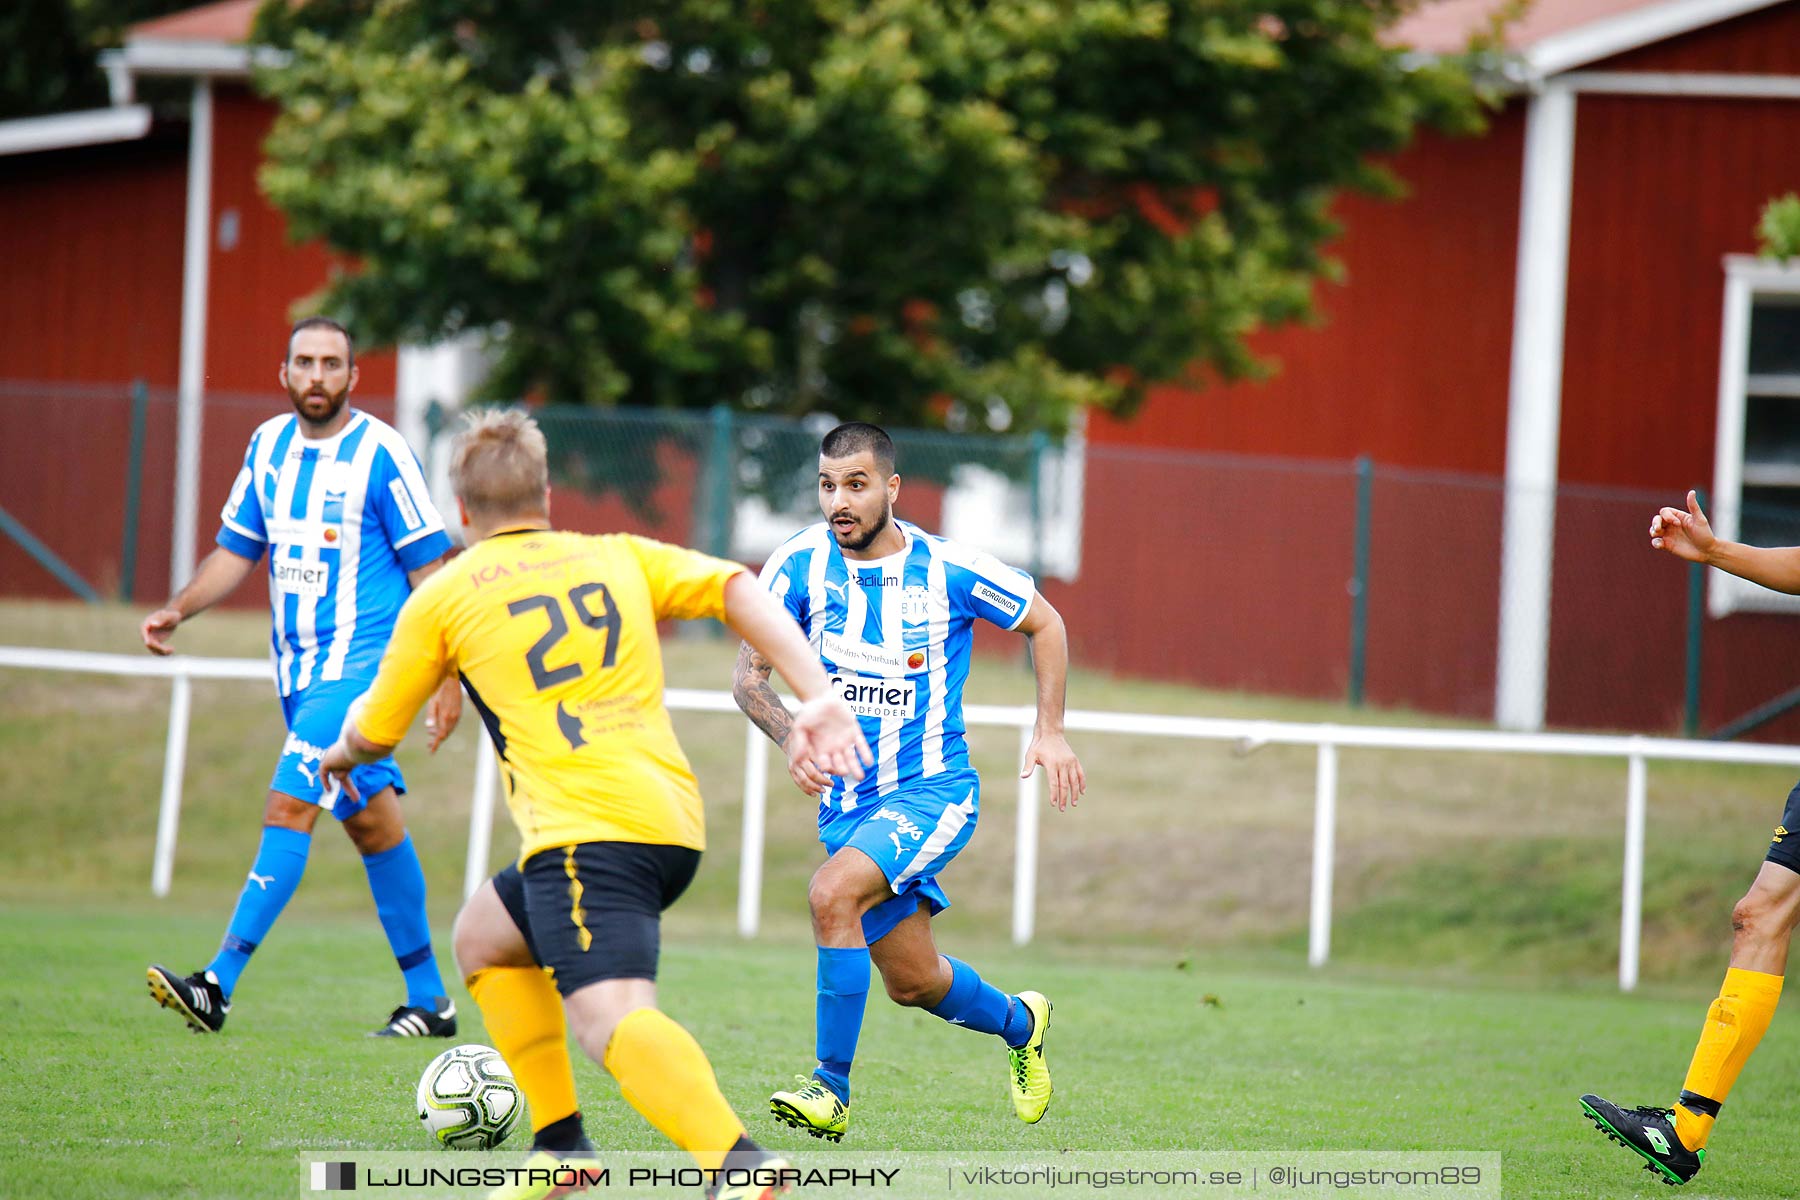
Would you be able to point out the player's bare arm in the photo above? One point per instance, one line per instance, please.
(444, 711)
(824, 733)
(1689, 536)
(217, 577)
(1049, 641)
(756, 696)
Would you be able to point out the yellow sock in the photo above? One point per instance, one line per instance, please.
(1734, 1024)
(663, 1073)
(524, 1016)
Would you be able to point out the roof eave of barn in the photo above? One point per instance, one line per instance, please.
(1526, 62)
(93, 127)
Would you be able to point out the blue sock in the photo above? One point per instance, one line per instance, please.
(397, 882)
(280, 862)
(978, 1005)
(843, 991)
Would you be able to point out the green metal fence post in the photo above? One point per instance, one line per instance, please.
(1696, 632)
(1040, 446)
(134, 487)
(719, 484)
(1359, 579)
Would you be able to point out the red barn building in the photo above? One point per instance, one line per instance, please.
(1553, 305)
(1544, 308)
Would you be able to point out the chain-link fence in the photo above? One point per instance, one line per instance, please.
(738, 486)
(1351, 581)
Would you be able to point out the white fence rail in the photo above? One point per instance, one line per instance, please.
(1247, 735)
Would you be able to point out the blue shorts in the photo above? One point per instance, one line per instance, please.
(911, 835)
(315, 716)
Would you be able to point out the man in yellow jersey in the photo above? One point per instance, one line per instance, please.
(1672, 1141)
(554, 635)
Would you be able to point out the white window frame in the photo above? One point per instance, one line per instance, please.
(1746, 278)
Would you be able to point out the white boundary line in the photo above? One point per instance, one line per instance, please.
(1247, 735)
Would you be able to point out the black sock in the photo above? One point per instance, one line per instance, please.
(560, 1136)
(743, 1155)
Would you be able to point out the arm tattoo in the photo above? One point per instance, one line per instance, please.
(751, 689)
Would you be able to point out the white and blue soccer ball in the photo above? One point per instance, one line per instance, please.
(468, 1099)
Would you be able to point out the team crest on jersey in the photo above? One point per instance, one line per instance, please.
(915, 604)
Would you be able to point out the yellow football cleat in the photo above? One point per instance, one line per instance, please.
(547, 1176)
(1030, 1077)
(768, 1179)
(813, 1107)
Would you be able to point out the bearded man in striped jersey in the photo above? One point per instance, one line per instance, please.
(890, 610)
(337, 500)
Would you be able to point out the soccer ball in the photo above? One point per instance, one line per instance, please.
(467, 1098)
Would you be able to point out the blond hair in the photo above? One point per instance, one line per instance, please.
(499, 464)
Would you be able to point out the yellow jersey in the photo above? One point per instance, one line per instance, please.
(554, 635)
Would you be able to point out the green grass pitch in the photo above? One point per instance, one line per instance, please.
(111, 1096)
(1470, 999)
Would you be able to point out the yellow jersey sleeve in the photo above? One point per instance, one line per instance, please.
(684, 584)
(414, 663)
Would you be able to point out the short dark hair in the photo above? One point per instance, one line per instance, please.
(319, 323)
(853, 437)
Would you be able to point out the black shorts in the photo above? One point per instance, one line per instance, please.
(1784, 847)
(594, 911)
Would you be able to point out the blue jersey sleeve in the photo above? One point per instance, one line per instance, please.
(980, 585)
(402, 503)
(241, 528)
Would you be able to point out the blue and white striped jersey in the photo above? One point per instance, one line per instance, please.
(344, 519)
(894, 635)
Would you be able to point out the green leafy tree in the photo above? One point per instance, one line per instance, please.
(49, 51)
(922, 211)
(1779, 230)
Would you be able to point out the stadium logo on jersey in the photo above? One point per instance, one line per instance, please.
(999, 600)
(301, 578)
(848, 655)
(881, 698)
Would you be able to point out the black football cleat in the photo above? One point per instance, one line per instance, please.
(419, 1022)
(1648, 1133)
(197, 997)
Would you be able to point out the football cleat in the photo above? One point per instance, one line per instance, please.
(1650, 1134)
(419, 1022)
(547, 1175)
(813, 1107)
(771, 1177)
(1029, 1076)
(197, 997)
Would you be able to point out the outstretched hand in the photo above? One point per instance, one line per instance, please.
(1068, 782)
(1687, 535)
(443, 712)
(826, 738)
(157, 628)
